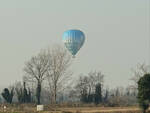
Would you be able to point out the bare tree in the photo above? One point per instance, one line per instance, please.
(58, 75)
(81, 88)
(138, 72)
(18, 90)
(94, 78)
(35, 70)
(86, 85)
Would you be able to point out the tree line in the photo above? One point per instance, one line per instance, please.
(47, 77)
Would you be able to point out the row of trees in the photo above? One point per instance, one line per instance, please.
(89, 88)
(23, 95)
(50, 66)
(47, 75)
(86, 89)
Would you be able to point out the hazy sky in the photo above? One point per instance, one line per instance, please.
(117, 35)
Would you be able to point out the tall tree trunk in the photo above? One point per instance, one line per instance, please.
(55, 94)
(38, 92)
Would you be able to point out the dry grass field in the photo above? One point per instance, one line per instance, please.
(51, 109)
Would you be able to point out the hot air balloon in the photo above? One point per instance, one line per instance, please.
(73, 40)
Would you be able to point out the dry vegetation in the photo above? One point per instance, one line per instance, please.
(51, 109)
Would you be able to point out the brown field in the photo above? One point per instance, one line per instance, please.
(51, 109)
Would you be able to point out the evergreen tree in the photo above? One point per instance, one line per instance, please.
(91, 98)
(26, 95)
(8, 95)
(23, 95)
(98, 94)
(144, 92)
(84, 96)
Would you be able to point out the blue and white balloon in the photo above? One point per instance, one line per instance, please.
(73, 40)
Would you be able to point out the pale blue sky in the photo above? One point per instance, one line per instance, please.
(117, 35)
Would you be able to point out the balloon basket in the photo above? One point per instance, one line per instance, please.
(73, 56)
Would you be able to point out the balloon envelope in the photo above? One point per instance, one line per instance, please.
(73, 40)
